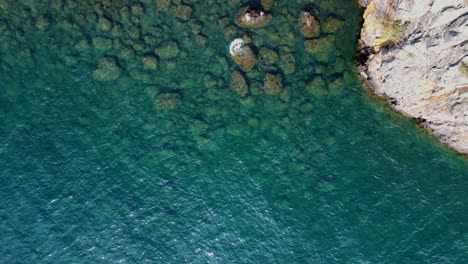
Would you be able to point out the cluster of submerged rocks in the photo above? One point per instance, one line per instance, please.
(243, 49)
(111, 36)
(119, 41)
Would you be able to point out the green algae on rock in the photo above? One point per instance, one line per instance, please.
(332, 24)
(317, 87)
(168, 101)
(308, 25)
(239, 84)
(267, 4)
(168, 50)
(107, 70)
(322, 49)
(149, 62)
(272, 84)
(268, 56)
(183, 12)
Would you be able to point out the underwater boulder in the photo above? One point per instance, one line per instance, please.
(272, 84)
(268, 56)
(168, 50)
(107, 70)
(309, 26)
(169, 101)
(149, 62)
(42, 22)
(183, 12)
(104, 24)
(102, 44)
(287, 63)
(239, 84)
(331, 25)
(317, 87)
(267, 4)
(321, 48)
(242, 54)
(163, 5)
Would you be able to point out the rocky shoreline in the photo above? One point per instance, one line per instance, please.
(415, 54)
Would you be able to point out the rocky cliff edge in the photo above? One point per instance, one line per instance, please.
(415, 54)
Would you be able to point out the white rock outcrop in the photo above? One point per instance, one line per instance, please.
(415, 53)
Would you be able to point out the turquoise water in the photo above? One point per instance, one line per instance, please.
(94, 172)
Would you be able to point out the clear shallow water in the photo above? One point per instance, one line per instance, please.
(92, 172)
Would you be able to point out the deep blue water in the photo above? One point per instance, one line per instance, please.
(93, 172)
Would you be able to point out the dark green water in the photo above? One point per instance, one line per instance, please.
(92, 172)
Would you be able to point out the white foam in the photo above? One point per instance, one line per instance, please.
(236, 47)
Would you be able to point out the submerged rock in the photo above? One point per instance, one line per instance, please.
(267, 4)
(183, 12)
(104, 24)
(242, 54)
(308, 25)
(168, 101)
(331, 25)
(102, 44)
(167, 50)
(137, 9)
(107, 70)
(42, 22)
(322, 49)
(239, 84)
(317, 87)
(149, 62)
(287, 63)
(250, 17)
(272, 84)
(163, 5)
(268, 56)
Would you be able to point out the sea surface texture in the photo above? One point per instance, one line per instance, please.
(122, 141)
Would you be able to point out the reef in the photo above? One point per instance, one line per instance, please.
(414, 54)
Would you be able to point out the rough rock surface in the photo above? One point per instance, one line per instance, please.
(249, 17)
(415, 53)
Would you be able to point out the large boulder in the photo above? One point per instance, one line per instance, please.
(250, 17)
(242, 54)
